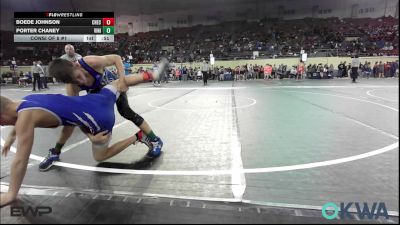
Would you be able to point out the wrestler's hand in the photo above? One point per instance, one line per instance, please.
(6, 149)
(122, 86)
(6, 198)
(99, 138)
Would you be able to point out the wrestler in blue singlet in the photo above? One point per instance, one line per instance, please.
(94, 112)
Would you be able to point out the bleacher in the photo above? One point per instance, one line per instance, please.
(234, 40)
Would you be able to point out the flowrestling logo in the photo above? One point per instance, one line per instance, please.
(330, 210)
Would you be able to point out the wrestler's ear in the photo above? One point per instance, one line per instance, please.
(76, 65)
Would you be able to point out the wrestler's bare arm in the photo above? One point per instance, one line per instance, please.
(25, 128)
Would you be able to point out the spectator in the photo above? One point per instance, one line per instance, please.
(341, 69)
(300, 70)
(155, 69)
(330, 70)
(221, 74)
(293, 72)
(387, 69)
(367, 69)
(394, 69)
(178, 74)
(375, 70)
(380, 70)
(237, 73)
(267, 71)
(23, 80)
(184, 73)
(199, 75)
(70, 54)
(127, 66)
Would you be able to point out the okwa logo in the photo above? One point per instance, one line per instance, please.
(363, 210)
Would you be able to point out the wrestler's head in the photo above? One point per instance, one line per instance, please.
(68, 72)
(7, 115)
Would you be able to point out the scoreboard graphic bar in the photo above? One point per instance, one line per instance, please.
(65, 30)
(27, 22)
(63, 14)
(64, 38)
(64, 26)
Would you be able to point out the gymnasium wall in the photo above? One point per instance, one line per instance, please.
(233, 63)
(286, 61)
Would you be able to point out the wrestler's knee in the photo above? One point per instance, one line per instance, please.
(99, 151)
(99, 156)
(129, 114)
(138, 120)
(125, 110)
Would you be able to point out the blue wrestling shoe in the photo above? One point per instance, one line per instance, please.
(154, 146)
(156, 150)
(49, 160)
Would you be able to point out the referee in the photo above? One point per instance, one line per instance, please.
(205, 69)
(355, 63)
(36, 76)
(70, 53)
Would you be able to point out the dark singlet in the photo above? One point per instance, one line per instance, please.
(100, 80)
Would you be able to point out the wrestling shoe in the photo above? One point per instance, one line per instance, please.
(49, 160)
(142, 138)
(155, 152)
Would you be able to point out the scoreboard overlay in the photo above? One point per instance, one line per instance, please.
(64, 26)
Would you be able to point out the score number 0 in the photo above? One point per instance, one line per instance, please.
(108, 21)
